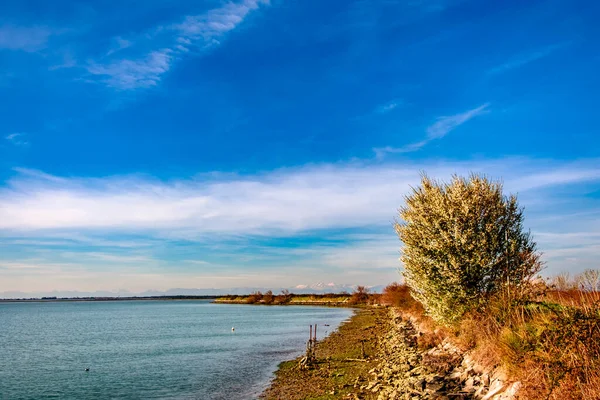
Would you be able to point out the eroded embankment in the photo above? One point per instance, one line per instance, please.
(442, 372)
(375, 356)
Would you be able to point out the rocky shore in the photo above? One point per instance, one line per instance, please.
(442, 372)
(375, 356)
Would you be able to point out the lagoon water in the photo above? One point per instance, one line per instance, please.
(149, 349)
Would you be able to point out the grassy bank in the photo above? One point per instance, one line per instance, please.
(340, 363)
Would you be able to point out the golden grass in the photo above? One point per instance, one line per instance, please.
(548, 339)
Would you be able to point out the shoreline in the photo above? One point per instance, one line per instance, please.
(295, 303)
(340, 363)
(376, 354)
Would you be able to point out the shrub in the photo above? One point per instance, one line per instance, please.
(360, 295)
(463, 241)
(398, 295)
(255, 297)
(268, 297)
(284, 297)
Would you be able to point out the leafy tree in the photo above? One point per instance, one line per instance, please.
(463, 241)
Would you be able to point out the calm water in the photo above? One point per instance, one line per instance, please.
(149, 349)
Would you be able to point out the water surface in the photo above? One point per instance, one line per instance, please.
(149, 349)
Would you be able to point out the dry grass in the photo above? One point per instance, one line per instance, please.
(552, 344)
(430, 333)
(548, 339)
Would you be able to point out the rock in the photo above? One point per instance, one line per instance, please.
(479, 392)
(419, 384)
(485, 379)
(455, 375)
(478, 369)
(435, 387)
(510, 392)
(498, 374)
(469, 385)
(496, 388)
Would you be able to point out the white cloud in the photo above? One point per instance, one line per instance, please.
(29, 39)
(387, 107)
(215, 23)
(196, 32)
(314, 197)
(17, 139)
(132, 74)
(437, 130)
(445, 125)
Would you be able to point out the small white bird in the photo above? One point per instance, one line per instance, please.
(232, 329)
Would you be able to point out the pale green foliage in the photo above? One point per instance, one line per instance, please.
(463, 241)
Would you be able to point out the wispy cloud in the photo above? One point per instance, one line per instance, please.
(68, 60)
(169, 44)
(17, 139)
(387, 107)
(445, 125)
(119, 44)
(437, 130)
(29, 39)
(133, 74)
(526, 58)
(281, 201)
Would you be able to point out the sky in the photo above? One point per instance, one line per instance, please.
(256, 143)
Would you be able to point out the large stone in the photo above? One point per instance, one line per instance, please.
(469, 385)
(495, 388)
(485, 379)
(509, 393)
(435, 386)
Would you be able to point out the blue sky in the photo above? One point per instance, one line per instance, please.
(264, 143)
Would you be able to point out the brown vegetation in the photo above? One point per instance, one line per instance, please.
(549, 339)
(359, 297)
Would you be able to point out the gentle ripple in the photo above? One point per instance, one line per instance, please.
(149, 349)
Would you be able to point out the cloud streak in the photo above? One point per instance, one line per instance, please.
(17, 139)
(525, 58)
(171, 43)
(133, 74)
(437, 130)
(387, 107)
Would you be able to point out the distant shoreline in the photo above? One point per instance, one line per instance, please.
(290, 299)
(332, 300)
(133, 298)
